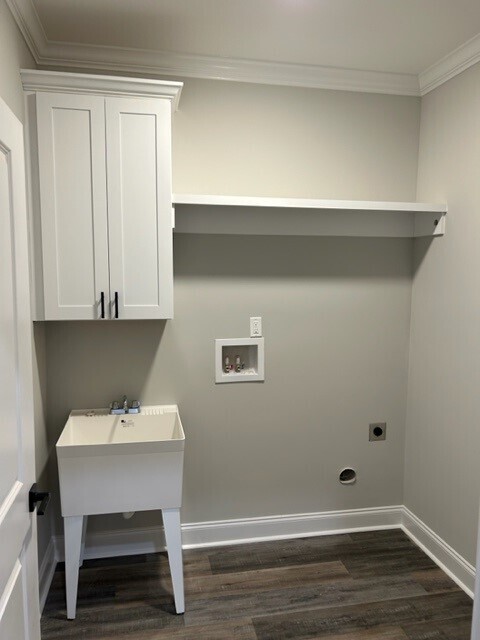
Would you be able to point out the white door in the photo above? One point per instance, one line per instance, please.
(19, 604)
(140, 207)
(73, 200)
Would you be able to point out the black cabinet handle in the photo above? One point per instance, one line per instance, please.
(116, 304)
(102, 304)
(35, 496)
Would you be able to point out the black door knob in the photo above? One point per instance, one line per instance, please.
(35, 496)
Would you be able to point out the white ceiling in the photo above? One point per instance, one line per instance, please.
(393, 46)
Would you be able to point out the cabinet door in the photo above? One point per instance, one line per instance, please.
(71, 154)
(140, 207)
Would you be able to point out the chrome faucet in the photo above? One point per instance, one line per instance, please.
(119, 408)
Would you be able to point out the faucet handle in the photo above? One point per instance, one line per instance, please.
(135, 407)
(116, 409)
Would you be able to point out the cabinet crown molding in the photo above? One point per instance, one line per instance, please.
(57, 81)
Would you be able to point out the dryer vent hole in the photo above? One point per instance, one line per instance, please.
(347, 476)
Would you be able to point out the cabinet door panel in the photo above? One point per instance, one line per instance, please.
(71, 150)
(139, 206)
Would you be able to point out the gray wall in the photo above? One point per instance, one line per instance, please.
(336, 311)
(15, 55)
(251, 139)
(443, 436)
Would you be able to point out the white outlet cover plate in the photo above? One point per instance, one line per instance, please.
(256, 327)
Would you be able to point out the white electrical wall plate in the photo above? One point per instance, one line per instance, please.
(256, 327)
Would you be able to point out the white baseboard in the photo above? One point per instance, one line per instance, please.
(207, 534)
(246, 530)
(454, 565)
(46, 571)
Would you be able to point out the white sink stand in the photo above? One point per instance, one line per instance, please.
(118, 464)
(75, 528)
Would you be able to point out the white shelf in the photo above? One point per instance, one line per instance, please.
(300, 216)
(306, 203)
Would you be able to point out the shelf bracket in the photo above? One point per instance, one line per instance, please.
(429, 224)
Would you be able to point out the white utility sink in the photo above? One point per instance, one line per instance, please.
(121, 463)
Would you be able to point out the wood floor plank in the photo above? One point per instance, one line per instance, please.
(94, 593)
(388, 535)
(310, 550)
(100, 579)
(195, 562)
(268, 555)
(434, 580)
(298, 577)
(323, 595)
(456, 629)
(391, 538)
(386, 562)
(238, 629)
(97, 586)
(115, 619)
(379, 633)
(320, 623)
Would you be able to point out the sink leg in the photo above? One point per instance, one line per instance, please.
(82, 548)
(173, 536)
(73, 526)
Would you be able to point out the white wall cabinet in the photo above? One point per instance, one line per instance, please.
(101, 196)
(73, 205)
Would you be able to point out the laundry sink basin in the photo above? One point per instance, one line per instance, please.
(96, 432)
(118, 463)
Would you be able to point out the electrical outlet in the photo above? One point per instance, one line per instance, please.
(377, 431)
(255, 327)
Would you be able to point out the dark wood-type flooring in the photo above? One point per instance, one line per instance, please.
(375, 586)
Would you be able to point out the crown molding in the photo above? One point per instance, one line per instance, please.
(33, 80)
(31, 28)
(100, 58)
(143, 61)
(216, 68)
(451, 65)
